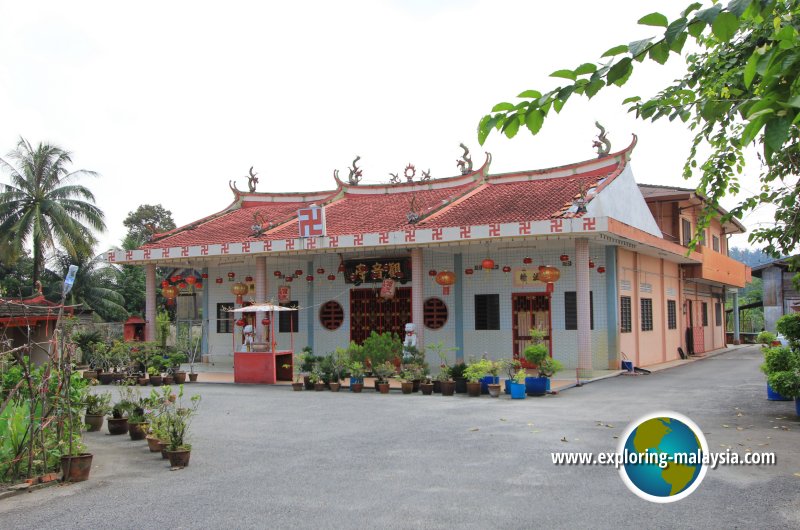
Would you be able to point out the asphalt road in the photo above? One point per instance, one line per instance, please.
(267, 457)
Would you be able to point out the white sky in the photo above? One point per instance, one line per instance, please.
(170, 100)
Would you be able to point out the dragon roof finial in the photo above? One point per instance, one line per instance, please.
(252, 180)
(602, 144)
(465, 162)
(355, 173)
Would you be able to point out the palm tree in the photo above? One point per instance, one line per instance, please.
(96, 285)
(43, 205)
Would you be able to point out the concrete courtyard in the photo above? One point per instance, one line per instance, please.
(267, 457)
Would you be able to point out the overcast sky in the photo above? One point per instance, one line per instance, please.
(168, 101)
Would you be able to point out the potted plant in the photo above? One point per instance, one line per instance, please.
(193, 359)
(339, 364)
(511, 367)
(473, 373)
(316, 377)
(766, 338)
(77, 463)
(297, 372)
(494, 373)
(426, 385)
(383, 371)
(776, 359)
(118, 422)
(538, 355)
(439, 349)
(154, 371)
(383, 347)
(174, 362)
(406, 378)
(177, 421)
(356, 376)
(516, 384)
(457, 374)
(97, 407)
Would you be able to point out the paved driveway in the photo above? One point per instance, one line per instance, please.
(271, 458)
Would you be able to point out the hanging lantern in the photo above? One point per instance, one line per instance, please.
(468, 272)
(487, 264)
(231, 276)
(548, 274)
(320, 271)
(241, 322)
(219, 280)
(289, 278)
(432, 273)
(173, 278)
(309, 278)
(169, 292)
(506, 269)
(399, 275)
(527, 260)
(164, 283)
(331, 277)
(388, 288)
(183, 286)
(265, 321)
(601, 270)
(446, 279)
(564, 257)
(341, 267)
(591, 264)
(198, 285)
(248, 279)
(191, 280)
(178, 277)
(298, 272)
(204, 275)
(239, 289)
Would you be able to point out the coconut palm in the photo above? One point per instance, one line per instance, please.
(43, 206)
(95, 287)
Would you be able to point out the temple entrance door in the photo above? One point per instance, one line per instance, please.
(529, 311)
(369, 312)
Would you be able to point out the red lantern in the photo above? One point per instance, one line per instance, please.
(265, 321)
(320, 271)
(446, 279)
(239, 289)
(191, 280)
(289, 278)
(564, 257)
(591, 264)
(506, 269)
(399, 275)
(309, 278)
(198, 285)
(204, 275)
(601, 270)
(173, 278)
(182, 286)
(468, 272)
(432, 273)
(231, 276)
(241, 322)
(298, 272)
(548, 274)
(219, 280)
(248, 279)
(164, 283)
(331, 277)
(527, 261)
(169, 292)
(487, 264)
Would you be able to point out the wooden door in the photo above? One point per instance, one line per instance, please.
(529, 311)
(369, 312)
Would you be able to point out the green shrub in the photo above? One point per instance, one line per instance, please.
(789, 327)
(478, 370)
(777, 359)
(765, 337)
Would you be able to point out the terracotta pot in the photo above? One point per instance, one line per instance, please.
(154, 444)
(156, 380)
(138, 431)
(143, 381)
(383, 388)
(407, 388)
(94, 422)
(76, 468)
(474, 389)
(162, 446)
(180, 378)
(168, 380)
(117, 426)
(193, 378)
(427, 388)
(335, 386)
(437, 387)
(307, 382)
(89, 374)
(106, 378)
(357, 387)
(448, 388)
(297, 386)
(319, 387)
(179, 458)
(494, 390)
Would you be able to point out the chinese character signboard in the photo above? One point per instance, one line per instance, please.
(284, 294)
(377, 270)
(526, 277)
(388, 288)
(311, 221)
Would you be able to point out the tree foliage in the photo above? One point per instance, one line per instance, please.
(42, 205)
(741, 88)
(96, 286)
(144, 221)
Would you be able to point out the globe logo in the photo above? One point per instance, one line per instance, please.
(662, 457)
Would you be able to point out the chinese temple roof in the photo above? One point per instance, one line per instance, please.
(26, 311)
(473, 198)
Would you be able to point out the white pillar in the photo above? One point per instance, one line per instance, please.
(417, 294)
(261, 295)
(582, 297)
(150, 302)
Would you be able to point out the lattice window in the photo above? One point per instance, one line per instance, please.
(331, 315)
(625, 325)
(434, 313)
(647, 314)
(672, 314)
(224, 318)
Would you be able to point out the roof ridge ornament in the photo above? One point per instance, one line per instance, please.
(355, 173)
(252, 180)
(602, 144)
(465, 162)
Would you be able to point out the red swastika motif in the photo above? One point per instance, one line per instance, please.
(556, 225)
(525, 228)
(311, 242)
(311, 221)
(333, 241)
(466, 232)
(184, 252)
(436, 234)
(384, 238)
(204, 250)
(164, 252)
(290, 244)
(494, 230)
(411, 235)
(246, 247)
(224, 248)
(358, 240)
(128, 255)
(147, 253)
(112, 257)
(267, 246)
(589, 223)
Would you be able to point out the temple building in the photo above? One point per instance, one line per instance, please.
(582, 252)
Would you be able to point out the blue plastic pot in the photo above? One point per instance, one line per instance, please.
(488, 380)
(797, 406)
(774, 396)
(507, 388)
(517, 390)
(536, 386)
(355, 380)
(627, 366)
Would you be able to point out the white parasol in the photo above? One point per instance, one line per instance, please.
(265, 307)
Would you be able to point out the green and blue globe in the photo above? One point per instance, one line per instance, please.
(663, 457)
